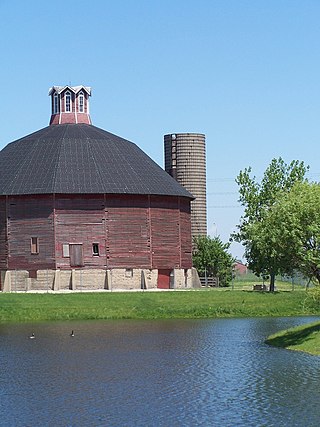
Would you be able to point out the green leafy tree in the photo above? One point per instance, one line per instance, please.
(295, 224)
(254, 231)
(211, 257)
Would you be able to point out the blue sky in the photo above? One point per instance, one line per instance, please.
(245, 73)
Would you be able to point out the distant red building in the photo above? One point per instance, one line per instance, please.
(240, 268)
(81, 208)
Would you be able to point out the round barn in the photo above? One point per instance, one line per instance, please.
(83, 209)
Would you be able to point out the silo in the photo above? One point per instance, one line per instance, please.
(185, 160)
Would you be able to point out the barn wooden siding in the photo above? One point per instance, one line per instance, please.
(185, 235)
(132, 231)
(30, 216)
(128, 231)
(80, 219)
(3, 234)
(165, 232)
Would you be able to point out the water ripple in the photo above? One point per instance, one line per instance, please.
(159, 373)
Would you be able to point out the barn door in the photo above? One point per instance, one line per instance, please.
(164, 279)
(76, 256)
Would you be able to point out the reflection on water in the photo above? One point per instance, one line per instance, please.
(155, 373)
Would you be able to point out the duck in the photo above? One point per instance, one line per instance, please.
(32, 336)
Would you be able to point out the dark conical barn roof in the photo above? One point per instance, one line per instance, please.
(81, 159)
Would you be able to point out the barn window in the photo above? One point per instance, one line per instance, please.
(129, 272)
(81, 102)
(65, 250)
(34, 245)
(95, 249)
(68, 102)
(55, 103)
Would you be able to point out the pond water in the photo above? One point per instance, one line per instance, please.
(156, 373)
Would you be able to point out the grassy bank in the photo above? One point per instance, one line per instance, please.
(302, 338)
(208, 303)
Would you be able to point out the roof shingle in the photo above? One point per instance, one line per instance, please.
(81, 159)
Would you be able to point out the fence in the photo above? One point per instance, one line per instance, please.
(209, 281)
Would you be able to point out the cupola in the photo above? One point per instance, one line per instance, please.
(70, 104)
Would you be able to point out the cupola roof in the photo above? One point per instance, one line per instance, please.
(74, 89)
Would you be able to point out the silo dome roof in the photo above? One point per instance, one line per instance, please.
(81, 159)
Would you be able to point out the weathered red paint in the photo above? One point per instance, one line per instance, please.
(164, 279)
(3, 234)
(132, 231)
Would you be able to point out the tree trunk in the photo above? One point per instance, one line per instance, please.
(272, 280)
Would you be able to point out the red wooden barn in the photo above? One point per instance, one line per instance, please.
(81, 208)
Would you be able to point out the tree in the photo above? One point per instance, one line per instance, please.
(295, 221)
(210, 257)
(254, 231)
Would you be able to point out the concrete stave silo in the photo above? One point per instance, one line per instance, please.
(185, 161)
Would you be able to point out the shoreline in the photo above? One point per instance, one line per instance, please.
(304, 338)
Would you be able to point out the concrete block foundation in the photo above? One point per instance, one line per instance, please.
(124, 279)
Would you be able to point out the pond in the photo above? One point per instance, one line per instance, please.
(213, 372)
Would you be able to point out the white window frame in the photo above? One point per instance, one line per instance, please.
(81, 102)
(56, 103)
(68, 102)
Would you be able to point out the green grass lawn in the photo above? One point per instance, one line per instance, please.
(203, 303)
(302, 338)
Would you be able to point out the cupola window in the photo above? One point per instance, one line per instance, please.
(55, 103)
(81, 102)
(68, 102)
